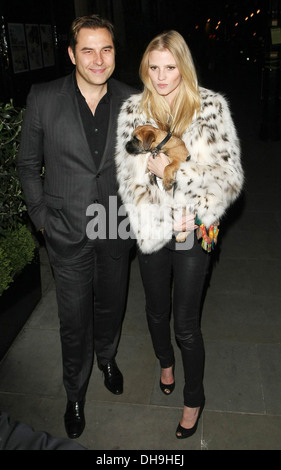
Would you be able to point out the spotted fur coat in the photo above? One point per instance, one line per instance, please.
(206, 184)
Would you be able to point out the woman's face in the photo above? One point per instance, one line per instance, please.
(164, 74)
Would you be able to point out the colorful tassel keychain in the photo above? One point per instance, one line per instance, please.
(209, 239)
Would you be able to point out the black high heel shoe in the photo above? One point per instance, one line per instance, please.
(167, 389)
(183, 433)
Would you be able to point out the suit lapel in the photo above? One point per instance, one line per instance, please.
(74, 120)
(76, 128)
(111, 131)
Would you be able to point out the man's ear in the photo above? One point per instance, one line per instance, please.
(71, 55)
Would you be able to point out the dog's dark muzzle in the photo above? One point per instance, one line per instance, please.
(132, 146)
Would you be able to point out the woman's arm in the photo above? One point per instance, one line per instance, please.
(213, 178)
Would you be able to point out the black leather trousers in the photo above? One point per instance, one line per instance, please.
(175, 280)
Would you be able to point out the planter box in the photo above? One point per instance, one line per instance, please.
(18, 302)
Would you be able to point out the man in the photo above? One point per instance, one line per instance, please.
(70, 127)
(15, 435)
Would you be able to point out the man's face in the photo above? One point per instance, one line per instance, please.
(94, 56)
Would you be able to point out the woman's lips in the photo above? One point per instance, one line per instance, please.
(162, 85)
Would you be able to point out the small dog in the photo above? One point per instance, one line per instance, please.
(149, 139)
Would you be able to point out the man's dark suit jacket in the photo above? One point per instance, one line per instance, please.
(53, 136)
(15, 435)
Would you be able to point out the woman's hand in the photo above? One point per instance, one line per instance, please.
(157, 165)
(185, 223)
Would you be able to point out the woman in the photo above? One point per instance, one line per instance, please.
(206, 184)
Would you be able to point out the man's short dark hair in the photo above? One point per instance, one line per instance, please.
(91, 22)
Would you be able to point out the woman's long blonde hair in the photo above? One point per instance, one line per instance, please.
(187, 100)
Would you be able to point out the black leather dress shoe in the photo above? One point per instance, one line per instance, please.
(74, 419)
(113, 379)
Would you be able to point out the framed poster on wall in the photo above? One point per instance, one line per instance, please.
(47, 45)
(33, 46)
(18, 47)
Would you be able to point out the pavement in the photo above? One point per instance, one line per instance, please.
(241, 325)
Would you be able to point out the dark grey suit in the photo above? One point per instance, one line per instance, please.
(53, 135)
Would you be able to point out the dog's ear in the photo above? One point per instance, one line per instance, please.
(148, 139)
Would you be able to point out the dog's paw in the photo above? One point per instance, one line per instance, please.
(168, 183)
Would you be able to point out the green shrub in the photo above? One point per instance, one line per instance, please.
(5, 271)
(16, 251)
(16, 241)
(12, 204)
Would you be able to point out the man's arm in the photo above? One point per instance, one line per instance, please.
(30, 160)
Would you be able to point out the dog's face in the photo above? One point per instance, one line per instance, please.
(143, 140)
(147, 138)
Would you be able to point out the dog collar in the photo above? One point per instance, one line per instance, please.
(161, 144)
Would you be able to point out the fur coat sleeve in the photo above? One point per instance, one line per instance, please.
(207, 184)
